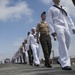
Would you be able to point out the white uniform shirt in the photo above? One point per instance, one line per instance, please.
(57, 20)
(31, 40)
(26, 47)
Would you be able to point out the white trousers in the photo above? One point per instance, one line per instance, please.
(26, 57)
(36, 51)
(63, 36)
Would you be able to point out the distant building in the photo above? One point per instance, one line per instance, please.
(7, 60)
(0, 62)
(72, 60)
(42, 60)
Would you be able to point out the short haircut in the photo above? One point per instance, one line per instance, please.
(43, 13)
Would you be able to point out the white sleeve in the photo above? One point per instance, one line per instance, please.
(70, 22)
(28, 42)
(50, 21)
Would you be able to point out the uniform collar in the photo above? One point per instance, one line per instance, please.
(43, 21)
(58, 5)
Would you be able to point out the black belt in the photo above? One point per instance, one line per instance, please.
(44, 34)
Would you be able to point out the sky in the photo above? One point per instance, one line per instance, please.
(17, 17)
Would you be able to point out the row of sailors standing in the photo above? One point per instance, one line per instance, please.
(21, 56)
(29, 51)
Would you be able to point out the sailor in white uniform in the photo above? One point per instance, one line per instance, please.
(59, 23)
(17, 56)
(26, 53)
(32, 41)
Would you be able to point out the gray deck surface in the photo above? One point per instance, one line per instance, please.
(22, 69)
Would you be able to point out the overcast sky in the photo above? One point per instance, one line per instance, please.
(17, 17)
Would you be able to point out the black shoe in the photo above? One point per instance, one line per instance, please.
(66, 68)
(25, 62)
(31, 64)
(58, 63)
(37, 65)
(48, 66)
